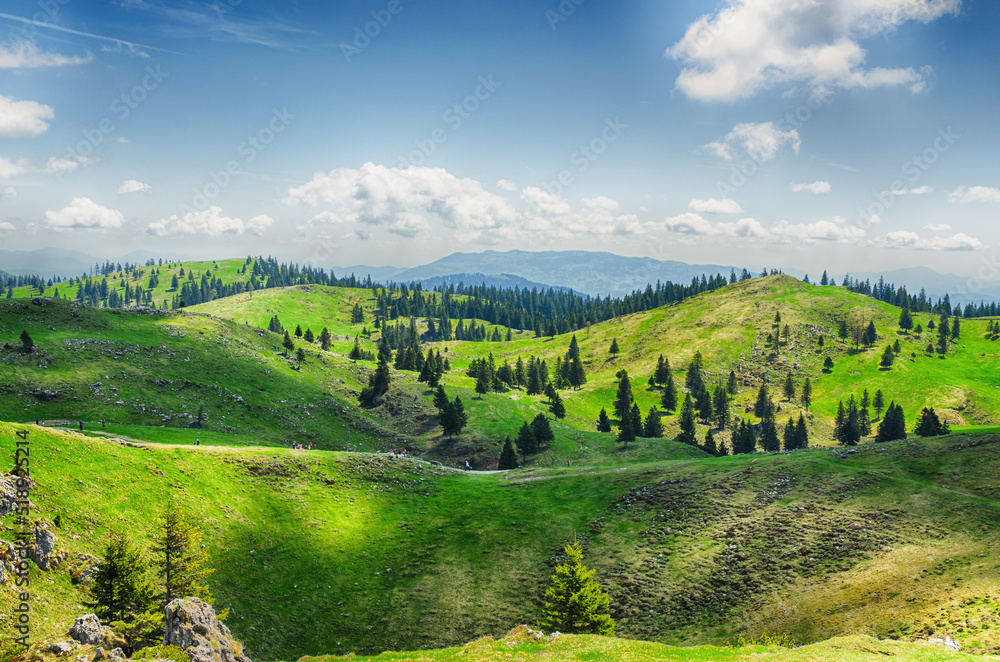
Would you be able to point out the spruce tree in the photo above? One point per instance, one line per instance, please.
(827, 364)
(789, 388)
(905, 320)
(603, 422)
(760, 405)
(623, 402)
(526, 444)
(710, 443)
(287, 343)
(325, 339)
(687, 435)
(731, 386)
(121, 588)
(720, 403)
(806, 397)
(769, 436)
(298, 331)
(878, 402)
(887, 357)
(613, 350)
(929, 425)
(789, 441)
(574, 602)
(801, 433)
(557, 406)
(179, 556)
(508, 458)
(308, 336)
(541, 429)
(669, 397)
(893, 426)
(27, 344)
(653, 427)
(626, 432)
(378, 382)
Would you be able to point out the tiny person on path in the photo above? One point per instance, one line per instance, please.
(81, 426)
(466, 465)
(197, 442)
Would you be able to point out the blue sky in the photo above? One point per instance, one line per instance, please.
(846, 134)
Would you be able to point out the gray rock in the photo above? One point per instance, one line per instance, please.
(8, 492)
(99, 654)
(60, 647)
(116, 655)
(88, 630)
(41, 551)
(191, 625)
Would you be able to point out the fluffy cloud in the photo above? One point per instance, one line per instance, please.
(937, 227)
(85, 214)
(9, 168)
(920, 190)
(133, 186)
(60, 164)
(26, 55)
(23, 119)
(209, 222)
(905, 239)
(816, 187)
(5, 226)
(752, 45)
(780, 233)
(404, 201)
(506, 185)
(713, 206)
(8, 193)
(550, 217)
(972, 194)
(761, 141)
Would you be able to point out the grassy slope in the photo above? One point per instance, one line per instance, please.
(330, 553)
(729, 327)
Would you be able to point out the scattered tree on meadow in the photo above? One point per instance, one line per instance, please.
(526, 443)
(27, 344)
(603, 422)
(557, 406)
(325, 339)
(298, 331)
(121, 589)
(763, 399)
(789, 388)
(508, 458)
(687, 435)
(710, 443)
(541, 429)
(893, 426)
(720, 403)
(179, 556)
(453, 418)
(624, 399)
(287, 343)
(807, 391)
(613, 351)
(626, 432)
(905, 320)
(887, 357)
(653, 427)
(574, 602)
(878, 402)
(828, 364)
(308, 336)
(378, 381)
(731, 385)
(669, 397)
(930, 425)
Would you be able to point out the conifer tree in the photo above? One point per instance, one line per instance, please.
(710, 443)
(121, 590)
(806, 397)
(789, 388)
(662, 372)
(955, 331)
(603, 422)
(828, 364)
(541, 429)
(613, 350)
(626, 432)
(687, 435)
(769, 436)
(325, 339)
(878, 402)
(27, 344)
(653, 427)
(669, 397)
(720, 403)
(887, 357)
(508, 458)
(763, 397)
(179, 556)
(574, 602)
(905, 320)
(703, 402)
(893, 426)
(526, 443)
(789, 441)
(440, 398)
(801, 433)
(731, 386)
(623, 402)
(378, 381)
(929, 425)
(298, 331)
(308, 336)
(557, 406)
(287, 343)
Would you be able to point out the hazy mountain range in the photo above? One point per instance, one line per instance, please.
(585, 272)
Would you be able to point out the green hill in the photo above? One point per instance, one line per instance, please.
(328, 553)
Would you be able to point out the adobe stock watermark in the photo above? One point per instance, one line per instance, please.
(912, 170)
(28, 31)
(583, 158)
(565, 9)
(987, 272)
(121, 109)
(255, 143)
(454, 117)
(23, 537)
(364, 34)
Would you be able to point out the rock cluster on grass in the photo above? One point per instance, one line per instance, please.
(191, 625)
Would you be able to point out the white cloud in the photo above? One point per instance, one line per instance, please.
(122, 140)
(780, 233)
(4, 226)
(937, 227)
(816, 187)
(84, 213)
(506, 185)
(60, 164)
(23, 119)
(209, 222)
(26, 55)
(761, 141)
(973, 194)
(551, 217)
(8, 193)
(753, 45)
(9, 168)
(905, 239)
(713, 206)
(133, 186)
(921, 190)
(404, 201)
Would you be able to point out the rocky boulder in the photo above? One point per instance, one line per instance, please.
(8, 492)
(41, 551)
(88, 630)
(191, 625)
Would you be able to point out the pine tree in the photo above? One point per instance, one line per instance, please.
(763, 397)
(27, 344)
(806, 397)
(710, 443)
(662, 372)
(789, 441)
(298, 331)
(687, 435)
(893, 426)
(636, 419)
(769, 436)
(526, 443)
(731, 386)
(955, 331)
(541, 429)
(378, 381)
(669, 397)
(287, 343)
(179, 556)
(508, 458)
(703, 402)
(440, 398)
(905, 320)
(557, 407)
(575, 603)
(325, 339)
(623, 402)
(613, 351)
(720, 403)
(929, 425)
(887, 357)
(603, 422)
(121, 589)
(308, 336)
(828, 364)
(878, 402)
(789, 388)
(871, 335)
(483, 383)
(626, 432)
(801, 433)
(653, 427)
(842, 331)
(300, 355)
